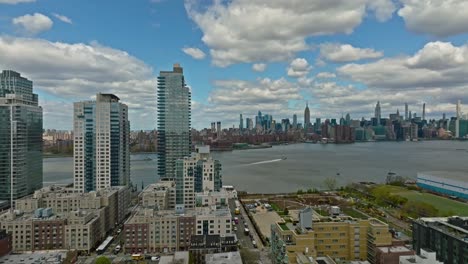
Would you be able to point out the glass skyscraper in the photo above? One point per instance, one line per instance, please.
(174, 121)
(101, 139)
(20, 137)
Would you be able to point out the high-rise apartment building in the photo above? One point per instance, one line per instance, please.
(101, 138)
(294, 124)
(174, 117)
(20, 137)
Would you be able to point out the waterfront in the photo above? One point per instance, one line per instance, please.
(306, 165)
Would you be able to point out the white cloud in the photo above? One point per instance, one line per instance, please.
(299, 67)
(344, 52)
(245, 31)
(73, 72)
(259, 67)
(195, 53)
(325, 75)
(435, 17)
(437, 64)
(63, 18)
(229, 98)
(33, 24)
(14, 2)
(383, 9)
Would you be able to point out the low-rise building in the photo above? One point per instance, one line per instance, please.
(425, 257)
(201, 245)
(391, 254)
(223, 258)
(149, 230)
(341, 237)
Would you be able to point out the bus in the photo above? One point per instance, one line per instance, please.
(138, 257)
(102, 248)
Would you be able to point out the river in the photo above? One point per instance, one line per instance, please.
(306, 165)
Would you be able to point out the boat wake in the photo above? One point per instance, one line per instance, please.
(265, 161)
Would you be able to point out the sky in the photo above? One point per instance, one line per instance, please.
(241, 56)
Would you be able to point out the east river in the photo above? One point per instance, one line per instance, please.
(291, 167)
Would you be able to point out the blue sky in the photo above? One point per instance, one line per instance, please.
(341, 56)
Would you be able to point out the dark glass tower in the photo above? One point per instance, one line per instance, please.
(20, 137)
(174, 121)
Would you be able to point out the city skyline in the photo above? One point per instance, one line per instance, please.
(334, 64)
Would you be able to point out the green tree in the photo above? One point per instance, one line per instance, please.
(418, 209)
(249, 257)
(103, 260)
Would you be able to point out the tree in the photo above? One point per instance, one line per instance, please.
(330, 183)
(418, 209)
(103, 260)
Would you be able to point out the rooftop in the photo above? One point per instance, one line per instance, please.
(50, 257)
(454, 226)
(223, 258)
(453, 175)
(394, 249)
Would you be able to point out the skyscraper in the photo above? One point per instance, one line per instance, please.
(406, 111)
(348, 119)
(294, 124)
(241, 122)
(101, 138)
(20, 137)
(424, 112)
(306, 116)
(378, 114)
(174, 120)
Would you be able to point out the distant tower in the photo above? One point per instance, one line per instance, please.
(294, 121)
(406, 111)
(410, 116)
(218, 128)
(457, 122)
(213, 127)
(348, 119)
(443, 116)
(378, 112)
(306, 116)
(424, 112)
(241, 122)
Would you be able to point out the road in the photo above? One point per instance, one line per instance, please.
(244, 240)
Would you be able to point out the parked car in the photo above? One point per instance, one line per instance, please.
(254, 243)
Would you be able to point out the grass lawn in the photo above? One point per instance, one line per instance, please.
(444, 205)
(353, 213)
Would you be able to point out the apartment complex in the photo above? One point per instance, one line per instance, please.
(150, 230)
(20, 137)
(174, 121)
(101, 144)
(447, 237)
(59, 218)
(195, 174)
(340, 237)
(160, 195)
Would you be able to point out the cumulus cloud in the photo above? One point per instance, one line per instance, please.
(383, 9)
(299, 67)
(325, 75)
(73, 72)
(14, 2)
(259, 67)
(33, 24)
(440, 18)
(244, 31)
(63, 18)
(437, 64)
(344, 52)
(229, 98)
(195, 53)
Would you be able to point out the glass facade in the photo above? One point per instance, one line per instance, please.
(174, 114)
(20, 137)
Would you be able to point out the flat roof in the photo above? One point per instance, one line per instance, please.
(453, 175)
(224, 258)
(394, 249)
(50, 257)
